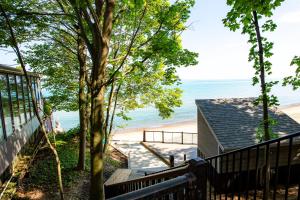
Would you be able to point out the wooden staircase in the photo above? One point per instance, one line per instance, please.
(122, 175)
(178, 180)
(232, 175)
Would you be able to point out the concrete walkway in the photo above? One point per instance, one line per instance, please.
(139, 158)
(178, 150)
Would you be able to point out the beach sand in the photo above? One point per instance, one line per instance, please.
(292, 110)
(136, 134)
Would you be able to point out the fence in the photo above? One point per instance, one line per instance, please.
(170, 137)
(168, 184)
(269, 170)
(180, 187)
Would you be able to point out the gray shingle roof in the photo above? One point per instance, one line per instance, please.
(234, 121)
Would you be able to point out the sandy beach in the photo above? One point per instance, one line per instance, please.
(136, 134)
(292, 110)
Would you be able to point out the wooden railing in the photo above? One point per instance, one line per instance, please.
(181, 187)
(269, 170)
(170, 137)
(193, 166)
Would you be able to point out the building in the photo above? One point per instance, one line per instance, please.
(229, 124)
(18, 121)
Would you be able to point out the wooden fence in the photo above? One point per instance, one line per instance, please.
(170, 137)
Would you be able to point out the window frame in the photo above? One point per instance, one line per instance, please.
(10, 104)
(2, 120)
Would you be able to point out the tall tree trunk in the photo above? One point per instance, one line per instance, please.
(88, 108)
(101, 42)
(265, 104)
(97, 155)
(110, 116)
(262, 79)
(81, 54)
(19, 55)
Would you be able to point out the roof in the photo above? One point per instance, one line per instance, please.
(235, 121)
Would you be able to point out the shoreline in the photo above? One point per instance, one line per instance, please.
(292, 110)
(293, 105)
(169, 125)
(136, 134)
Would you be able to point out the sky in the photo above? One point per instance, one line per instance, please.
(224, 54)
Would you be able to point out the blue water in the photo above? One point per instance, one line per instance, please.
(192, 89)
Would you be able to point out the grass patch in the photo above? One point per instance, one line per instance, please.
(42, 174)
(43, 171)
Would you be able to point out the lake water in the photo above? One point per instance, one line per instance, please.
(192, 89)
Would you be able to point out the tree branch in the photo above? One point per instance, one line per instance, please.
(129, 48)
(62, 44)
(26, 13)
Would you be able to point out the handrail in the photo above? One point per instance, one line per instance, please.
(257, 145)
(179, 140)
(139, 183)
(158, 175)
(230, 175)
(193, 166)
(246, 172)
(160, 189)
(171, 132)
(164, 170)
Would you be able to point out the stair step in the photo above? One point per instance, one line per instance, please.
(121, 175)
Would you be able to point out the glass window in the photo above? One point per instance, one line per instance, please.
(37, 96)
(14, 100)
(1, 132)
(5, 105)
(38, 83)
(21, 100)
(30, 98)
(27, 100)
(33, 86)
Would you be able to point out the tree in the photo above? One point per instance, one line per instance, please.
(62, 60)
(13, 43)
(248, 14)
(146, 50)
(294, 80)
(60, 55)
(139, 70)
(97, 21)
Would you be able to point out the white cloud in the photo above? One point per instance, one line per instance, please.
(290, 18)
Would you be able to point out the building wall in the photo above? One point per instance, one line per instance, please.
(207, 144)
(18, 121)
(10, 148)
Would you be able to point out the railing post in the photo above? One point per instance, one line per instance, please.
(144, 136)
(163, 136)
(199, 168)
(182, 137)
(198, 152)
(171, 160)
